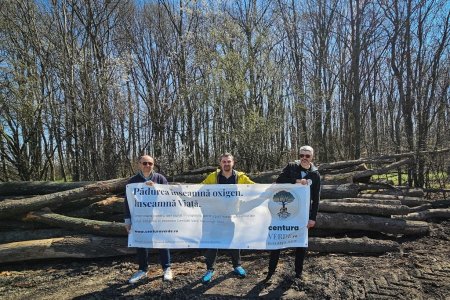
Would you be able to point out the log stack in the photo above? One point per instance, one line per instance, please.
(85, 219)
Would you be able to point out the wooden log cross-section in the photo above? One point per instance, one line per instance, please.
(10, 208)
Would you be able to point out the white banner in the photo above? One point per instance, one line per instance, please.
(224, 216)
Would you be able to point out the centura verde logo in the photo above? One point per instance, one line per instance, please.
(284, 205)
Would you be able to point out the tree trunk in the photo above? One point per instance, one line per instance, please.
(409, 201)
(352, 245)
(77, 224)
(363, 208)
(363, 200)
(26, 188)
(83, 246)
(26, 235)
(364, 174)
(429, 214)
(341, 221)
(107, 207)
(10, 208)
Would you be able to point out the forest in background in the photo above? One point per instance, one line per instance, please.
(89, 85)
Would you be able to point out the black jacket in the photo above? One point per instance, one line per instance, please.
(138, 178)
(292, 172)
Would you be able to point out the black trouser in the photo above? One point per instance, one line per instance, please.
(300, 254)
(211, 256)
(142, 258)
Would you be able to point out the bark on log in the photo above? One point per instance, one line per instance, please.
(78, 224)
(352, 245)
(360, 167)
(84, 246)
(364, 174)
(109, 206)
(363, 200)
(405, 200)
(203, 170)
(402, 191)
(78, 203)
(364, 208)
(341, 221)
(27, 235)
(342, 178)
(429, 214)
(9, 208)
(23, 188)
(8, 225)
(349, 190)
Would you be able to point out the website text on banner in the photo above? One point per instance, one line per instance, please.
(232, 216)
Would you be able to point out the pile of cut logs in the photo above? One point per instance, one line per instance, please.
(42, 220)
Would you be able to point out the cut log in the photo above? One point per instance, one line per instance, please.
(342, 178)
(360, 167)
(7, 225)
(363, 200)
(203, 170)
(85, 246)
(76, 204)
(364, 174)
(364, 208)
(78, 224)
(22, 188)
(341, 221)
(26, 235)
(349, 190)
(351, 245)
(106, 209)
(405, 200)
(10, 208)
(429, 214)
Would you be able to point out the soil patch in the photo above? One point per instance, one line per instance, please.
(421, 270)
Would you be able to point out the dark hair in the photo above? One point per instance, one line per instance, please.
(226, 154)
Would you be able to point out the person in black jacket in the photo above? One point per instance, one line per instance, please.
(300, 172)
(149, 176)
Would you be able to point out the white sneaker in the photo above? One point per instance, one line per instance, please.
(137, 276)
(168, 276)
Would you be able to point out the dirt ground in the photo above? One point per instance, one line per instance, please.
(421, 270)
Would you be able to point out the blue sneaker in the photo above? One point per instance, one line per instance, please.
(208, 276)
(137, 276)
(239, 271)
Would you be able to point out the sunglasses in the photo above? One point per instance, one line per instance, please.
(305, 155)
(147, 163)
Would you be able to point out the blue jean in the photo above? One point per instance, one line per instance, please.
(142, 258)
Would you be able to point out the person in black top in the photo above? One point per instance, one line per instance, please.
(300, 172)
(149, 176)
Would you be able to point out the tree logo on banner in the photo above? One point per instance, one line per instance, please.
(288, 204)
